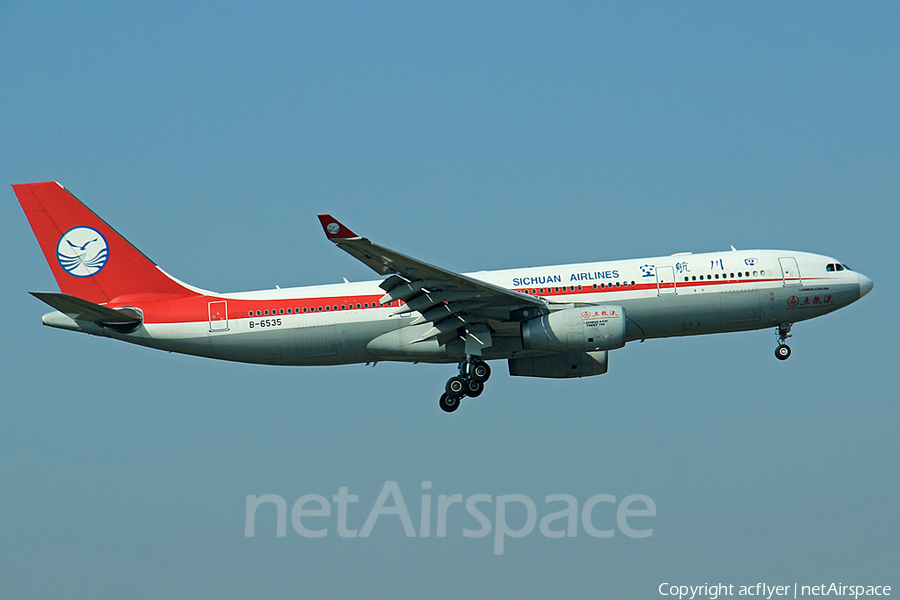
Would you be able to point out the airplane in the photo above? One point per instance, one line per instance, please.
(555, 321)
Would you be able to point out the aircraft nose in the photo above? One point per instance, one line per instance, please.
(865, 285)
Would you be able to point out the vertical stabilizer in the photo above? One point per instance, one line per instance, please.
(89, 259)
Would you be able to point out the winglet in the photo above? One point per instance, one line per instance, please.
(335, 230)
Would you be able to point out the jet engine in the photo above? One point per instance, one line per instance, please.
(584, 329)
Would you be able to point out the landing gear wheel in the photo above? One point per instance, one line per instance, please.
(480, 372)
(474, 388)
(449, 403)
(782, 352)
(456, 386)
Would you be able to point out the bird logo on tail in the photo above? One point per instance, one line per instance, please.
(82, 252)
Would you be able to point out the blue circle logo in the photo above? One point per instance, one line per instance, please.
(82, 251)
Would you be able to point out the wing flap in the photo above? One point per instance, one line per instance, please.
(444, 330)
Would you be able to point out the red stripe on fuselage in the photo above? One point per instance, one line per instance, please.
(195, 309)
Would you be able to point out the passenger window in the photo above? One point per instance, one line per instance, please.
(595, 286)
(267, 312)
(281, 312)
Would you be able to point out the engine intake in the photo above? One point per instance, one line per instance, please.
(583, 329)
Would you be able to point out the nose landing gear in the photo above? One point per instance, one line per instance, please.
(783, 351)
(473, 372)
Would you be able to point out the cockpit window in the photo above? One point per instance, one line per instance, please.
(846, 267)
(840, 267)
(829, 268)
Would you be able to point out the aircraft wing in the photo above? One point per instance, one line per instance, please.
(449, 301)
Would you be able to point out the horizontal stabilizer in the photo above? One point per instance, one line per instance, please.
(124, 319)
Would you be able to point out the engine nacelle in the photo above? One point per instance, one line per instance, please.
(576, 330)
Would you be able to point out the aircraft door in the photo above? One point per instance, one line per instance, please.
(790, 271)
(218, 316)
(665, 281)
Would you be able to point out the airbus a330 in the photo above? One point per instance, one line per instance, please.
(557, 321)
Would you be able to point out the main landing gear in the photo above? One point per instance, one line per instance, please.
(783, 351)
(473, 372)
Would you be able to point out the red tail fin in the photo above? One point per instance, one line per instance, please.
(89, 258)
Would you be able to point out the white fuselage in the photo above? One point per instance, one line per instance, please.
(686, 294)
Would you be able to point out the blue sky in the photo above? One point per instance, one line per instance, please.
(473, 137)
